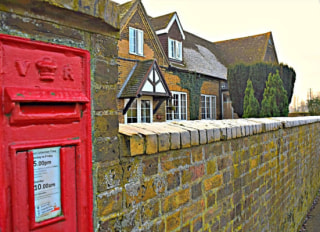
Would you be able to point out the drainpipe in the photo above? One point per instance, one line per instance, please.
(221, 101)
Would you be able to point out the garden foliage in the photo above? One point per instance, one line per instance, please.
(314, 106)
(258, 74)
(250, 105)
(275, 100)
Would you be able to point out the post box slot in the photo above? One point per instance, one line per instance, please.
(36, 108)
(33, 106)
(45, 112)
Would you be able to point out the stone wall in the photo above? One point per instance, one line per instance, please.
(89, 25)
(229, 175)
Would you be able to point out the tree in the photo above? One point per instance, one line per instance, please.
(275, 100)
(314, 106)
(250, 104)
(258, 73)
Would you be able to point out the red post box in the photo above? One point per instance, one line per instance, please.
(45, 153)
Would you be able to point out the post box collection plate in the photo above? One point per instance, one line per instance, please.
(47, 191)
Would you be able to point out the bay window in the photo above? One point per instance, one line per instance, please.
(140, 111)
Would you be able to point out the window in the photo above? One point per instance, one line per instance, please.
(135, 41)
(175, 49)
(226, 98)
(208, 107)
(139, 111)
(177, 106)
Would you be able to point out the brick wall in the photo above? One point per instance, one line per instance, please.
(229, 175)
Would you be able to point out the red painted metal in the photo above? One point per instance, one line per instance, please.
(45, 102)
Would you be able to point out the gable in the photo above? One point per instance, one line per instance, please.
(134, 21)
(136, 17)
(164, 23)
(154, 84)
(144, 79)
(271, 54)
(174, 32)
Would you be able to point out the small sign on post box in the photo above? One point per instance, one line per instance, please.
(47, 191)
(45, 115)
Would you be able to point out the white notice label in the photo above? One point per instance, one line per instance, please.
(47, 191)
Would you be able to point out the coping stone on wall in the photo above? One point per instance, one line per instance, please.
(297, 121)
(150, 138)
(268, 124)
(197, 132)
(164, 135)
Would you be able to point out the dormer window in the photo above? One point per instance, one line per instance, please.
(175, 49)
(135, 41)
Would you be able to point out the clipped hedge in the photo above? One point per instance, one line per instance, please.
(239, 74)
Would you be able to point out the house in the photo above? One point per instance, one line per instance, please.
(142, 89)
(193, 60)
(167, 73)
(160, 47)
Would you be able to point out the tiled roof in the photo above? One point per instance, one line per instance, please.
(136, 79)
(199, 55)
(247, 50)
(162, 21)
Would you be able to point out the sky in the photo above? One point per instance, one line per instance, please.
(295, 26)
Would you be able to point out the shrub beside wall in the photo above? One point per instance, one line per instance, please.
(258, 73)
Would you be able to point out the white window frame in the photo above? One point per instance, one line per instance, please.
(178, 111)
(174, 49)
(139, 108)
(135, 41)
(212, 112)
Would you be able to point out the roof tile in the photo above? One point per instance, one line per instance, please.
(162, 21)
(199, 55)
(250, 49)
